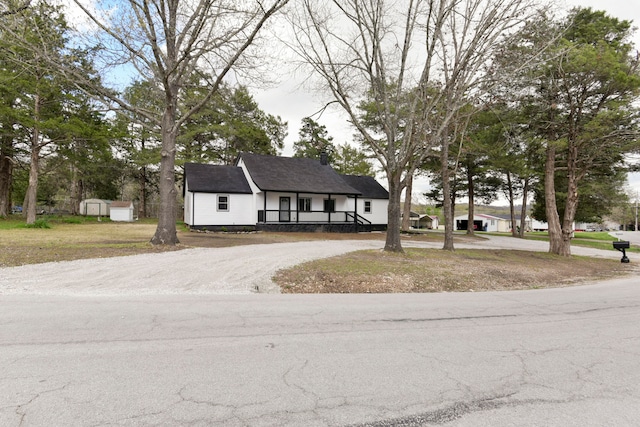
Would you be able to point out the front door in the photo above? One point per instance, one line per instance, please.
(285, 209)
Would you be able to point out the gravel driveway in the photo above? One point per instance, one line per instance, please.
(233, 270)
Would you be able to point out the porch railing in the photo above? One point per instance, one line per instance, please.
(292, 216)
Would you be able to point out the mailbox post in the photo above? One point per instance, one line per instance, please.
(622, 246)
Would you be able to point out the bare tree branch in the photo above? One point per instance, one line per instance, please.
(415, 63)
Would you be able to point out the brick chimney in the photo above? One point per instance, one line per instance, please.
(324, 158)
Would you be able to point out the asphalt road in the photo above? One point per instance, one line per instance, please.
(555, 357)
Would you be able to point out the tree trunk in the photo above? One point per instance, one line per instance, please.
(472, 204)
(31, 197)
(166, 232)
(406, 213)
(6, 175)
(512, 208)
(393, 243)
(557, 243)
(523, 210)
(76, 192)
(142, 205)
(447, 199)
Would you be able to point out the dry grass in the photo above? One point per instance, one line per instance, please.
(91, 239)
(431, 270)
(63, 242)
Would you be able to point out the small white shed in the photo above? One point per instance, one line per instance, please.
(121, 211)
(94, 207)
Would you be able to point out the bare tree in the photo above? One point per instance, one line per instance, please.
(166, 42)
(427, 56)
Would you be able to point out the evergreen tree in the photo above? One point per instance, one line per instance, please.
(229, 123)
(314, 139)
(580, 103)
(348, 160)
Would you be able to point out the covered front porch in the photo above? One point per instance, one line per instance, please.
(310, 212)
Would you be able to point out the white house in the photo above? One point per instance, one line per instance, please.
(121, 211)
(424, 221)
(281, 193)
(543, 226)
(491, 223)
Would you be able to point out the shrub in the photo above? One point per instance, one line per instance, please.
(40, 223)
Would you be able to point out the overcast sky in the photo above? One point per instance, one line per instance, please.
(292, 102)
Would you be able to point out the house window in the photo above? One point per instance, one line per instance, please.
(304, 204)
(223, 203)
(329, 205)
(367, 206)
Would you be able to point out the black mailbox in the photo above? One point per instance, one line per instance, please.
(622, 245)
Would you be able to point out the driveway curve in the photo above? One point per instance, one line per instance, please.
(206, 271)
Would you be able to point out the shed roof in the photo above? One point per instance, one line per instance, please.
(294, 174)
(122, 204)
(215, 179)
(367, 186)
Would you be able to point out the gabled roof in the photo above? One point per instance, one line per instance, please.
(294, 174)
(486, 216)
(508, 217)
(215, 179)
(367, 186)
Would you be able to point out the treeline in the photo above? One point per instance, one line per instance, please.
(484, 97)
(60, 145)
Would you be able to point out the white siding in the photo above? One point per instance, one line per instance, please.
(379, 214)
(121, 214)
(205, 210)
(257, 198)
(94, 207)
(188, 197)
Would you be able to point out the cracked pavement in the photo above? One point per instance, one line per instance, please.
(186, 355)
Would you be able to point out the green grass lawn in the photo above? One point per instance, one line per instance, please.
(590, 239)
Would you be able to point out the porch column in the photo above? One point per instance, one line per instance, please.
(355, 213)
(329, 208)
(297, 207)
(265, 208)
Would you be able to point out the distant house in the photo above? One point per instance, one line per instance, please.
(431, 222)
(507, 221)
(281, 193)
(121, 211)
(424, 221)
(543, 226)
(491, 223)
(94, 207)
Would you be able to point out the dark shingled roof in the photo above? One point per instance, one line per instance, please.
(367, 185)
(293, 174)
(215, 179)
